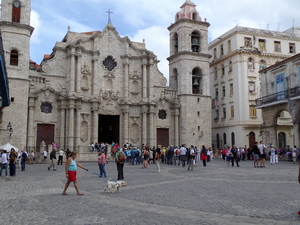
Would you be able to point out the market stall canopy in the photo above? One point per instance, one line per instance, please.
(8, 147)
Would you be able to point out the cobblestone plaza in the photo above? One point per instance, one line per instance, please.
(215, 194)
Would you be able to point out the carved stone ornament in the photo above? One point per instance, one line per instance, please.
(135, 75)
(162, 114)
(46, 107)
(109, 63)
(85, 69)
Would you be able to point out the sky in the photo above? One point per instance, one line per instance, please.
(149, 20)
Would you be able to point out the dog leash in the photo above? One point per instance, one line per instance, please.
(93, 172)
(114, 181)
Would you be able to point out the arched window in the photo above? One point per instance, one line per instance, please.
(175, 41)
(262, 64)
(232, 139)
(197, 81)
(195, 41)
(177, 17)
(224, 139)
(14, 57)
(250, 64)
(218, 141)
(16, 12)
(195, 16)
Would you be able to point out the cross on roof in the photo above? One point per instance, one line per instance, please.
(109, 12)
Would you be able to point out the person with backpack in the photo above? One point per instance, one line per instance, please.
(182, 155)
(176, 156)
(191, 157)
(234, 152)
(120, 159)
(23, 160)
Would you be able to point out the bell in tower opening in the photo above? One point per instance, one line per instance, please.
(195, 42)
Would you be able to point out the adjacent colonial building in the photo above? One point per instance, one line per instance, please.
(100, 87)
(237, 57)
(281, 96)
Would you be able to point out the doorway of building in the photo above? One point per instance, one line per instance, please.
(45, 132)
(109, 129)
(281, 140)
(162, 137)
(251, 139)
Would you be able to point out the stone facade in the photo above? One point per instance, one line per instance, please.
(281, 93)
(237, 57)
(98, 86)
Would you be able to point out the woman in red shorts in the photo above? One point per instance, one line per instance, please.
(71, 170)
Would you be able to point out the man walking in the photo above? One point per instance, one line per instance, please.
(60, 157)
(23, 159)
(182, 155)
(191, 157)
(53, 159)
(234, 152)
(4, 162)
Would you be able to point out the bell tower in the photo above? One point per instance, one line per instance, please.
(189, 73)
(16, 33)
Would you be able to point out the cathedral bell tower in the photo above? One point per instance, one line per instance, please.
(189, 73)
(16, 33)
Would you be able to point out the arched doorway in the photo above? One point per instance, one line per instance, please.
(282, 140)
(285, 129)
(251, 139)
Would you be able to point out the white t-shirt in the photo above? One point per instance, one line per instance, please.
(261, 148)
(45, 153)
(4, 158)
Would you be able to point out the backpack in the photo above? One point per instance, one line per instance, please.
(177, 152)
(24, 156)
(188, 153)
(137, 153)
(121, 157)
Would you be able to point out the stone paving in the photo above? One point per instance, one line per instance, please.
(215, 194)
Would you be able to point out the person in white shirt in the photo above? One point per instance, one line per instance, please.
(263, 155)
(182, 155)
(191, 158)
(4, 162)
(208, 155)
(45, 155)
(60, 156)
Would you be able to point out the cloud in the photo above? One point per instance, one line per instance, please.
(36, 23)
(157, 41)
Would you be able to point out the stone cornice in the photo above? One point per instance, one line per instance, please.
(188, 21)
(19, 25)
(177, 54)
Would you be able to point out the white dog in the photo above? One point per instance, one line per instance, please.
(115, 185)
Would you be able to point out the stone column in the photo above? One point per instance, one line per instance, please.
(144, 124)
(77, 135)
(297, 134)
(95, 122)
(176, 127)
(151, 80)
(31, 107)
(126, 78)
(71, 125)
(126, 124)
(144, 79)
(72, 72)
(94, 75)
(78, 75)
(151, 127)
(62, 127)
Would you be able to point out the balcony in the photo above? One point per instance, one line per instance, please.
(278, 98)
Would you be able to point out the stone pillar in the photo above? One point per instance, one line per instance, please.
(77, 135)
(126, 79)
(95, 122)
(71, 125)
(94, 75)
(144, 124)
(30, 122)
(72, 72)
(151, 127)
(297, 134)
(176, 127)
(62, 127)
(151, 80)
(145, 80)
(126, 123)
(78, 75)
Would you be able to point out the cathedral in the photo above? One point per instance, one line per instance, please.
(100, 87)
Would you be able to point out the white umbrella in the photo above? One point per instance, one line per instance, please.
(8, 147)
